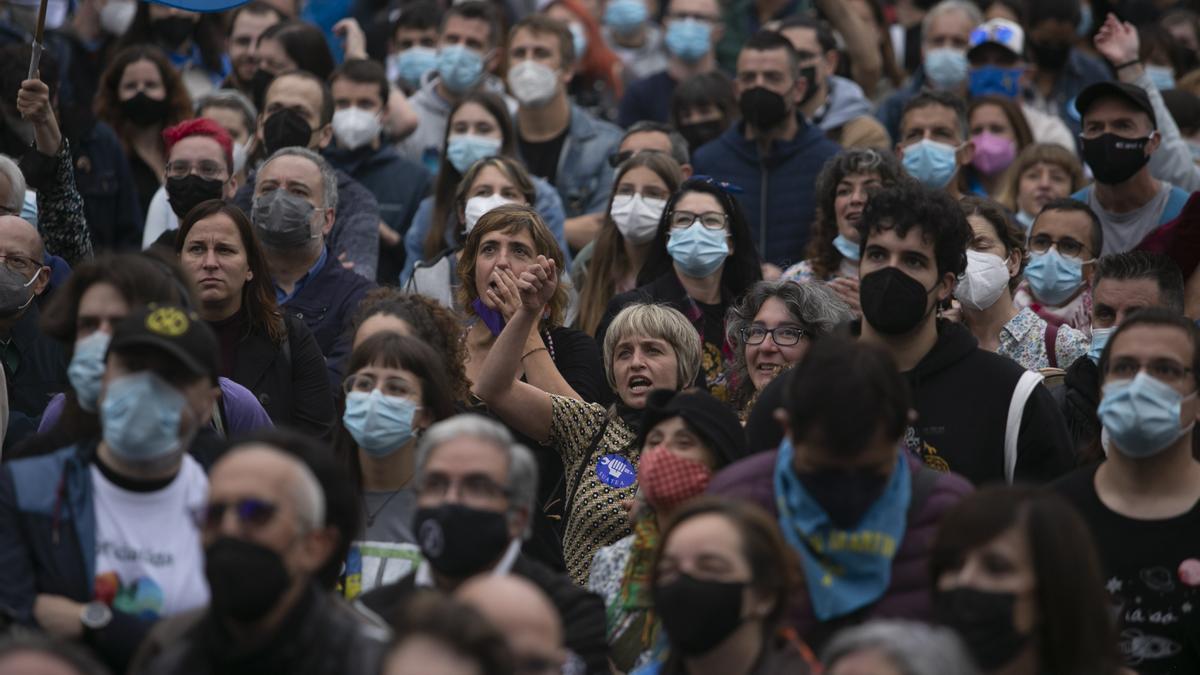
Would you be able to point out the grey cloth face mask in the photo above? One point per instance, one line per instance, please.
(282, 219)
(16, 292)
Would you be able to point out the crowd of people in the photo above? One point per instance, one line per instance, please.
(491, 337)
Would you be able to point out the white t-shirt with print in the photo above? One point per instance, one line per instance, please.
(149, 558)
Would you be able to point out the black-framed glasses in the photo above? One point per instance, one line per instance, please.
(19, 263)
(1067, 246)
(784, 336)
(713, 220)
(250, 512)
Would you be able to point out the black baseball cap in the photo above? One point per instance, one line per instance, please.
(1134, 94)
(179, 332)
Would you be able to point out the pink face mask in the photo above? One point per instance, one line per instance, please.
(993, 153)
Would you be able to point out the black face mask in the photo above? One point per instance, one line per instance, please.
(700, 133)
(1051, 56)
(1115, 159)
(893, 302)
(144, 111)
(698, 615)
(810, 74)
(258, 87)
(763, 108)
(984, 621)
(246, 580)
(845, 494)
(286, 129)
(459, 541)
(16, 292)
(173, 31)
(185, 193)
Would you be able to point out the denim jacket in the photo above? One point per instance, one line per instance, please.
(584, 177)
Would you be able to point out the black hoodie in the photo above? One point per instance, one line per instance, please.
(962, 393)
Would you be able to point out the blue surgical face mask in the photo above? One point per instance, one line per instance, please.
(409, 66)
(930, 162)
(579, 39)
(1099, 340)
(87, 368)
(850, 250)
(459, 67)
(946, 68)
(1141, 415)
(379, 424)
(140, 417)
(463, 150)
(1163, 77)
(994, 80)
(625, 16)
(1053, 277)
(697, 250)
(688, 39)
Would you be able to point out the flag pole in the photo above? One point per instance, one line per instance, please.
(36, 56)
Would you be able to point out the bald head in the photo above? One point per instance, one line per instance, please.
(18, 237)
(521, 611)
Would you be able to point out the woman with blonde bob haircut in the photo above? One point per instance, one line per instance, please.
(646, 347)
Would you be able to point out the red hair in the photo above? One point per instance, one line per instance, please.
(598, 61)
(200, 126)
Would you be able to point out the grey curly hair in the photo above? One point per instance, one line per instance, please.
(812, 304)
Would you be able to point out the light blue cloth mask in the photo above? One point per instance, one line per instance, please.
(625, 16)
(930, 162)
(697, 250)
(463, 150)
(87, 368)
(459, 67)
(688, 39)
(379, 424)
(1052, 277)
(410, 65)
(140, 417)
(946, 68)
(1141, 415)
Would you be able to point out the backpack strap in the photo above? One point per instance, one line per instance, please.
(1051, 339)
(1016, 410)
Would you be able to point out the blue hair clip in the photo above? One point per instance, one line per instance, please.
(723, 185)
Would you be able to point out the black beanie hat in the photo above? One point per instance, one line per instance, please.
(713, 421)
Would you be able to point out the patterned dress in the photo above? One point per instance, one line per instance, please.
(596, 517)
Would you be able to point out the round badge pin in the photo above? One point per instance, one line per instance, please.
(615, 471)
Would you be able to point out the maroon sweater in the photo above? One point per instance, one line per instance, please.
(908, 595)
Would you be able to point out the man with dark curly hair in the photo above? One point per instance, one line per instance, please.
(968, 401)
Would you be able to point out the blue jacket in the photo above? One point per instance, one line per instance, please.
(48, 542)
(546, 202)
(110, 200)
(777, 195)
(326, 304)
(398, 184)
(584, 177)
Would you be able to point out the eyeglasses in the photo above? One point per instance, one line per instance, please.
(390, 386)
(1067, 247)
(205, 168)
(784, 336)
(713, 220)
(1164, 370)
(472, 489)
(19, 263)
(250, 512)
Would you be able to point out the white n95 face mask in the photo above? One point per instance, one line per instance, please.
(984, 281)
(477, 206)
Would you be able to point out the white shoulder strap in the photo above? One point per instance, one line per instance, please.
(1016, 410)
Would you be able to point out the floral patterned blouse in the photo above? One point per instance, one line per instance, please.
(1077, 313)
(596, 517)
(1023, 339)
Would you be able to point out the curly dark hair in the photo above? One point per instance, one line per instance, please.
(909, 204)
(434, 324)
(821, 252)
